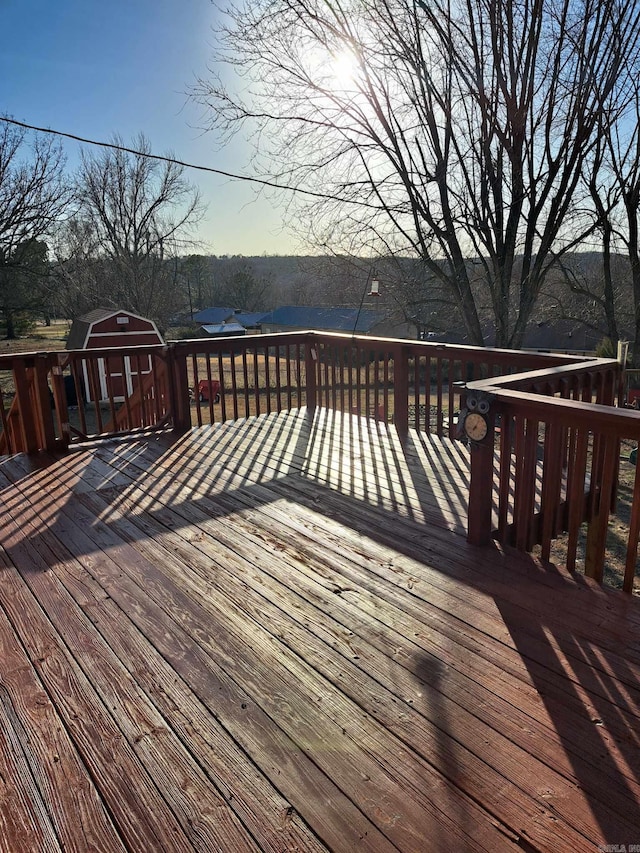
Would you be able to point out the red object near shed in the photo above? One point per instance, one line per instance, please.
(105, 328)
(209, 390)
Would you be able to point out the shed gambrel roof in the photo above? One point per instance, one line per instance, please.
(81, 326)
(340, 319)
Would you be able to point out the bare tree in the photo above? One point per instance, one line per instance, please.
(455, 131)
(617, 176)
(139, 212)
(33, 197)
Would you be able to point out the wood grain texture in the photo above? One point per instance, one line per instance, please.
(272, 635)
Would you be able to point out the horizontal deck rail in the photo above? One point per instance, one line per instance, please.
(552, 418)
(559, 428)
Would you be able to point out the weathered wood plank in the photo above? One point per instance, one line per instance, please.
(244, 589)
(25, 822)
(267, 814)
(68, 796)
(313, 794)
(142, 816)
(332, 743)
(190, 559)
(468, 733)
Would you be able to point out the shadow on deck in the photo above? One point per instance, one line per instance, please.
(273, 635)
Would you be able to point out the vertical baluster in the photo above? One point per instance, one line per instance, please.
(223, 389)
(427, 395)
(128, 425)
(78, 384)
(367, 384)
(576, 495)
(356, 379)
(551, 485)
(634, 533)
(504, 486)
(439, 415)
(94, 385)
(288, 368)
(417, 365)
(386, 386)
(196, 388)
(376, 387)
(234, 383)
(245, 380)
(451, 404)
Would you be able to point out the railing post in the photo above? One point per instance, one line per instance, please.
(178, 389)
(22, 378)
(43, 403)
(311, 362)
(60, 401)
(479, 529)
(401, 391)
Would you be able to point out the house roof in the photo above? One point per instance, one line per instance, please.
(213, 315)
(223, 328)
(249, 319)
(340, 319)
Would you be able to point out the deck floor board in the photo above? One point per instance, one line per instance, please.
(272, 635)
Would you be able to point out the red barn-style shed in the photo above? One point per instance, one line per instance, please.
(106, 327)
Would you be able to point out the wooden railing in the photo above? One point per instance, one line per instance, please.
(48, 400)
(548, 465)
(555, 437)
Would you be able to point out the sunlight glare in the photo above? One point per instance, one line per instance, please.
(344, 69)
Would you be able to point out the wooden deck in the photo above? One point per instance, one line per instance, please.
(272, 635)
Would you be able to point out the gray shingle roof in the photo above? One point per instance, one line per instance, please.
(81, 325)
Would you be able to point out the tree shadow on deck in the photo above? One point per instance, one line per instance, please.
(560, 658)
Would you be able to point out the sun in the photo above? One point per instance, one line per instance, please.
(344, 69)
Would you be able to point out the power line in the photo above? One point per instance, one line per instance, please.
(246, 178)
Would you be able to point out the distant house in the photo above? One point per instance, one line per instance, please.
(221, 330)
(561, 335)
(342, 319)
(105, 328)
(212, 318)
(250, 319)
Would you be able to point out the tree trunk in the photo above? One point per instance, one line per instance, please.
(11, 328)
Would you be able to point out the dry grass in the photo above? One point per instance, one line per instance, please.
(43, 338)
(618, 529)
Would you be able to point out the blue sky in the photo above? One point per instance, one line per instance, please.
(124, 66)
